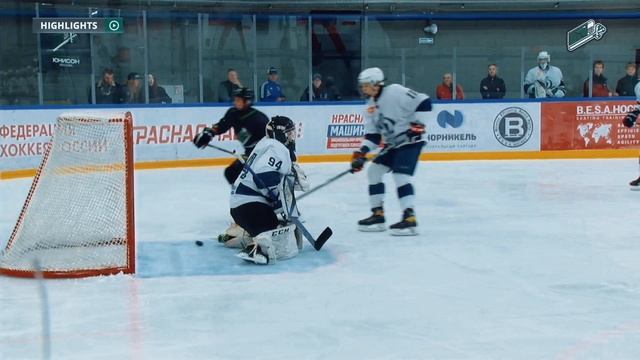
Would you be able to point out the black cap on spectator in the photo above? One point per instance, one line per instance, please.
(272, 70)
(134, 76)
(317, 76)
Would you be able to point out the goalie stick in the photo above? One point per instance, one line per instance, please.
(318, 242)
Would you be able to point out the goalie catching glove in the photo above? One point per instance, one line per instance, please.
(630, 120)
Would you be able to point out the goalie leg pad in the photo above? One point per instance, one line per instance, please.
(235, 237)
(272, 245)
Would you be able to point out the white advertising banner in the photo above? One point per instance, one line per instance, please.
(464, 127)
(165, 133)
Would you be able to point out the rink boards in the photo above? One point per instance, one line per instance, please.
(455, 131)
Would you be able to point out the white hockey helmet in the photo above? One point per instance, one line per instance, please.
(373, 76)
(544, 55)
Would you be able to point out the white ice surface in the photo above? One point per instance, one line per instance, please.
(516, 260)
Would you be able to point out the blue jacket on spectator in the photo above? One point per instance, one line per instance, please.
(270, 91)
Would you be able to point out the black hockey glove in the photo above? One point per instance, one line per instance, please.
(357, 161)
(630, 120)
(202, 139)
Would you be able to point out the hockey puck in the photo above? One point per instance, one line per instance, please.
(199, 243)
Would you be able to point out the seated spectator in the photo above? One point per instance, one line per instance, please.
(133, 93)
(444, 91)
(320, 91)
(627, 83)
(271, 91)
(599, 87)
(544, 80)
(157, 94)
(107, 90)
(227, 87)
(492, 87)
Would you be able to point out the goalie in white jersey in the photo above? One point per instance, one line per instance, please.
(262, 192)
(390, 119)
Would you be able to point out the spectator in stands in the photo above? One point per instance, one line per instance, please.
(271, 90)
(544, 80)
(157, 94)
(627, 83)
(334, 93)
(227, 87)
(444, 91)
(133, 93)
(599, 87)
(492, 87)
(320, 91)
(107, 90)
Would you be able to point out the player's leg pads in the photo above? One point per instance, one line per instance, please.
(235, 237)
(405, 190)
(376, 186)
(272, 245)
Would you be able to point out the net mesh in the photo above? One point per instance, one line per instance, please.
(76, 216)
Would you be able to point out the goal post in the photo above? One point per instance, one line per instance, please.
(78, 217)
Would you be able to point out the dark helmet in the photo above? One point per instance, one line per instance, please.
(244, 93)
(282, 129)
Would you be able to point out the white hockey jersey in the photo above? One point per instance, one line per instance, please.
(544, 83)
(637, 91)
(270, 161)
(392, 113)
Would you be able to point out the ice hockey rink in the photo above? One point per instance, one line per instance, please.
(515, 260)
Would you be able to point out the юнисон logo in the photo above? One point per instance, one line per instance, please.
(513, 127)
(446, 118)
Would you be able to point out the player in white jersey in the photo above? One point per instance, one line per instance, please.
(258, 196)
(544, 80)
(390, 119)
(630, 121)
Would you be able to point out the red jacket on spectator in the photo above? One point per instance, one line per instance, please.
(444, 92)
(600, 88)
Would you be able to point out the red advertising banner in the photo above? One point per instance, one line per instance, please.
(587, 125)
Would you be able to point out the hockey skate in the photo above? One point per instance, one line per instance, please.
(635, 184)
(373, 223)
(252, 253)
(407, 226)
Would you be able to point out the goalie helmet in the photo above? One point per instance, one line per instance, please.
(373, 76)
(283, 129)
(543, 60)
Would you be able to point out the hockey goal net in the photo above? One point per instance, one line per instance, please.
(78, 219)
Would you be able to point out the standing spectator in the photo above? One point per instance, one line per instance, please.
(599, 87)
(107, 90)
(229, 86)
(332, 89)
(444, 91)
(157, 94)
(133, 93)
(320, 91)
(271, 90)
(492, 87)
(544, 80)
(627, 83)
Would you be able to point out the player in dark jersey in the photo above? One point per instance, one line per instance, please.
(248, 124)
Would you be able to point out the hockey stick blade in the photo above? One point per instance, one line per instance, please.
(326, 234)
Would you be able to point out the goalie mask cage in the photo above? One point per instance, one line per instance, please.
(78, 217)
